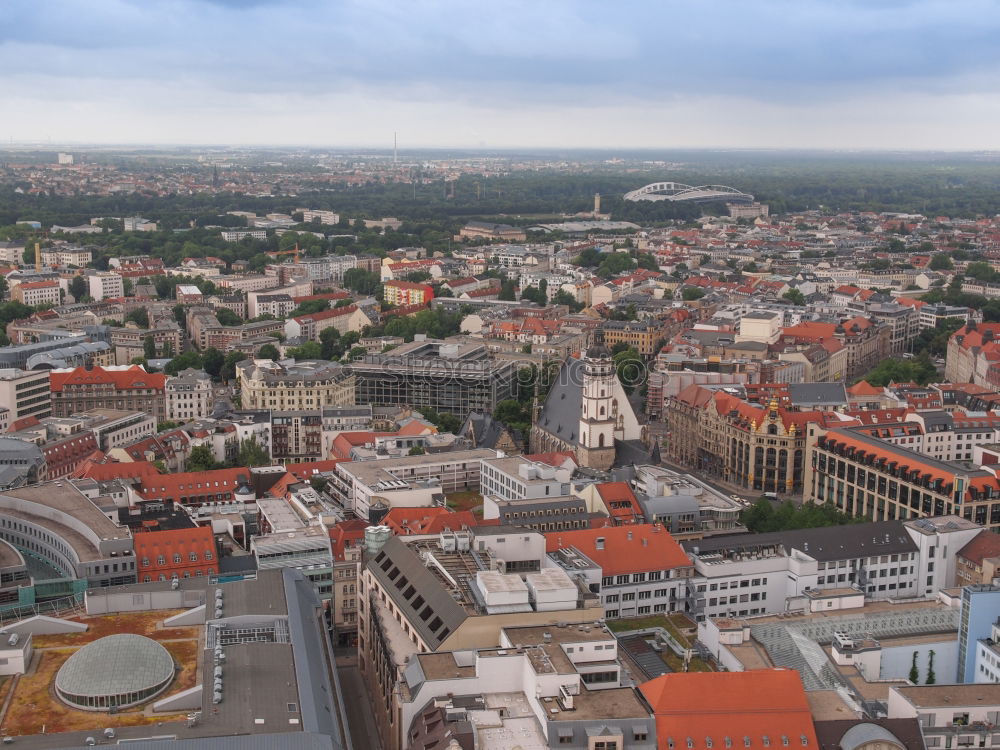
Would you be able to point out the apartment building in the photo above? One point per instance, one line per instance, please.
(290, 385)
(643, 336)
(34, 293)
(296, 435)
(162, 555)
(637, 569)
(105, 284)
(865, 476)
(454, 591)
(189, 395)
(130, 388)
(66, 255)
(949, 715)
(403, 293)
(344, 319)
(410, 481)
(235, 235)
(25, 393)
(130, 343)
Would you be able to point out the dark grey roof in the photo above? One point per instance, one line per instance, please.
(822, 544)
(560, 415)
(633, 452)
(425, 584)
(848, 734)
(485, 432)
(318, 701)
(832, 394)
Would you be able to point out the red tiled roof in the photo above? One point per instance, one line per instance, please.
(708, 708)
(555, 458)
(626, 549)
(983, 546)
(133, 377)
(620, 501)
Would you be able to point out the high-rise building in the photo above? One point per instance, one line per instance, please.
(980, 609)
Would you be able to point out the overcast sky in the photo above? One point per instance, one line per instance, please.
(507, 73)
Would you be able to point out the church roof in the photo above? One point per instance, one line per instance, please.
(560, 415)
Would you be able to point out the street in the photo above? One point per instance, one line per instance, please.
(357, 703)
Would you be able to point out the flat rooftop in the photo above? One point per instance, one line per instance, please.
(535, 635)
(370, 472)
(66, 498)
(952, 696)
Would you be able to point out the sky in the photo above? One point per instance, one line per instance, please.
(837, 74)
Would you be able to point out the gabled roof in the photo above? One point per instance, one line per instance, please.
(134, 377)
(983, 546)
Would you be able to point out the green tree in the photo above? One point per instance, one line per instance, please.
(168, 424)
(613, 264)
(149, 347)
(269, 351)
(228, 371)
(931, 678)
(795, 297)
(941, 262)
(914, 674)
(308, 350)
(139, 316)
(507, 292)
(200, 459)
(918, 370)
(212, 361)
(691, 293)
(416, 450)
(762, 517)
(310, 307)
(78, 287)
(227, 317)
(252, 454)
(514, 414)
(630, 368)
(182, 362)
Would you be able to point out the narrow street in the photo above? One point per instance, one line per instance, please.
(357, 703)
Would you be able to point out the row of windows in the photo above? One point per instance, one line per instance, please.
(192, 557)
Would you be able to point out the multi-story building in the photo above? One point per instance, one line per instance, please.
(130, 343)
(949, 715)
(25, 393)
(286, 541)
(346, 540)
(304, 385)
(33, 293)
(66, 255)
(403, 293)
(455, 591)
(344, 319)
(175, 553)
(519, 478)
(865, 476)
(452, 378)
(980, 610)
(972, 353)
(487, 230)
(130, 388)
(323, 217)
(235, 235)
(979, 560)
(409, 481)
(638, 569)
(278, 305)
(642, 336)
(866, 341)
(722, 435)
(105, 284)
(296, 436)
(189, 395)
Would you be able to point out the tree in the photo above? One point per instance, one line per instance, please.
(269, 351)
(308, 350)
(416, 450)
(78, 287)
(200, 459)
(613, 264)
(914, 674)
(630, 368)
(252, 454)
(507, 292)
(691, 293)
(228, 371)
(149, 347)
(166, 425)
(180, 315)
(941, 262)
(139, 316)
(762, 516)
(362, 281)
(795, 297)
(417, 276)
(514, 414)
(182, 362)
(918, 370)
(212, 361)
(931, 678)
(227, 317)
(310, 307)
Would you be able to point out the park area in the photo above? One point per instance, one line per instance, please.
(465, 501)
(34, 708)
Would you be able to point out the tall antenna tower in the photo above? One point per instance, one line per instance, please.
(395, 153)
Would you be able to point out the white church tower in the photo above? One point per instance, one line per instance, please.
(596, 448)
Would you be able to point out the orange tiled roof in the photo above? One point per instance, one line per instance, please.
(742, 705)
(133, 377)
(626, 549)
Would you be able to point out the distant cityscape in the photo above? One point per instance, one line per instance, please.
(330, 449)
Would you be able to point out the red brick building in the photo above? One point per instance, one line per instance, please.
(178, 553)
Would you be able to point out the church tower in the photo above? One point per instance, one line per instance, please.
(596, 449)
